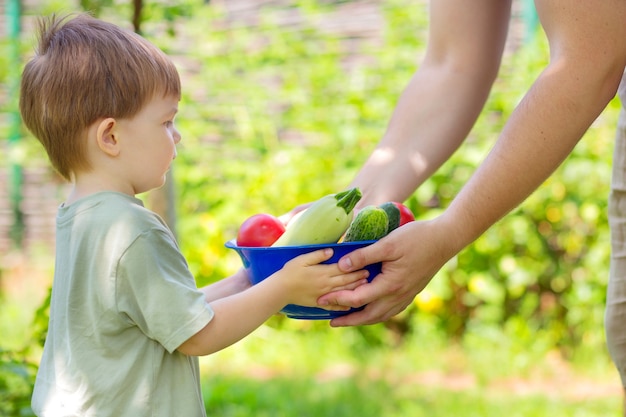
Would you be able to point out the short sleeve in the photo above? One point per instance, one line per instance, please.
(156, 291)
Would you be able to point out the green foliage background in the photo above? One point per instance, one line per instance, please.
(273, 118)
(277, 114)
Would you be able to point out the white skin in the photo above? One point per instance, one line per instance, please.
(436, 112)
(438, 108)
(132, 156)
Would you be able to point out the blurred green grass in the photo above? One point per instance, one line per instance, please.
(286, 397)
(328, 372)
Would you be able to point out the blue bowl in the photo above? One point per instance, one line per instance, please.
(261, 262)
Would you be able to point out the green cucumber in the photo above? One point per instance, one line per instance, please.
(393, 213)
(371, 223)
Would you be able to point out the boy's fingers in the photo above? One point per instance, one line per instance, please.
(352, 281)
(334, 308)
(316, 257)
(356, 277)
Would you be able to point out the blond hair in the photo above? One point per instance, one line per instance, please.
(85, 69)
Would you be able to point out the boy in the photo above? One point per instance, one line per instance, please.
(126, 318)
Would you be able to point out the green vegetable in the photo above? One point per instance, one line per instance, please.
(393, 214)
(371, 223)
(325, 221)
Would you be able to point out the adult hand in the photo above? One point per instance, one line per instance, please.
(410, 256)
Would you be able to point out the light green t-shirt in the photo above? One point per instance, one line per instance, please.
(123, 300)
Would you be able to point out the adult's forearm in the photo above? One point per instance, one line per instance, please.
(539, 135)
(421, 137)
(442, 100)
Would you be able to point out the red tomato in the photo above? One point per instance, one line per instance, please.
(260, 230)
(406, 215)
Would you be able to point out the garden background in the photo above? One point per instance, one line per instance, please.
(283, 100)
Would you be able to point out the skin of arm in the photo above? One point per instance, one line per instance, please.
(459, 67)
(237, 313)
(228, 286)
(587, 58)
(442, 100)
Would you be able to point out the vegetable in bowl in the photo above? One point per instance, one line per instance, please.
(261, 262)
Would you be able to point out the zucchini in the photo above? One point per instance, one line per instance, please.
(393, 214)
(324, 221)
(371, 223)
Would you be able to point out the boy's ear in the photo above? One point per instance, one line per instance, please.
(106, 137)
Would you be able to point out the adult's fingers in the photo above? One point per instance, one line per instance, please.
(351, 280)
(375, 312)
(357, 297)
(360, 258)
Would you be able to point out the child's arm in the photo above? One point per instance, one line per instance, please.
(301, 281)
(228, 286)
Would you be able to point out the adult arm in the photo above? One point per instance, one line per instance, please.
(587, 57)
(444, 97)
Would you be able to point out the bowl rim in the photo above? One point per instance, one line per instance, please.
(232, 244)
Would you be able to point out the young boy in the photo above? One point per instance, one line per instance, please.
(126, 318)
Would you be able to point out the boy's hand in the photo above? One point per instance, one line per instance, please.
(306, 279)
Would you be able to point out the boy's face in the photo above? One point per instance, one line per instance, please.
(148, 144)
